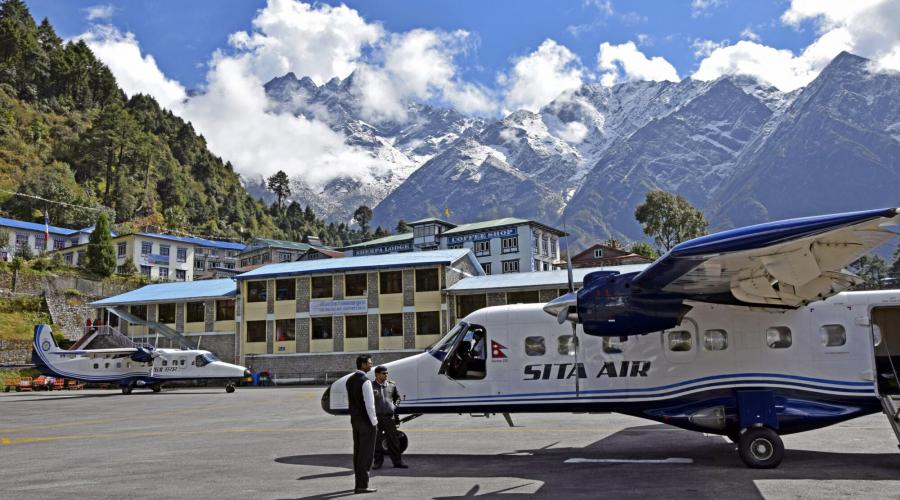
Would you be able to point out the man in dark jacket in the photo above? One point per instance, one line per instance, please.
(386, 399)
(364, 422)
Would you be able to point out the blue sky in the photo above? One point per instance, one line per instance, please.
(182, 35)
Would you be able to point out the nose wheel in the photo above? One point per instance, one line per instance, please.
(229, 388)
(126, 389)
(761, 448)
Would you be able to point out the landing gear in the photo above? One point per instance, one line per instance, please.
(229, 388)
(126, 389)
(156, 388)
(761, 448)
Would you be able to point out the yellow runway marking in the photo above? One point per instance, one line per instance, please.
(5, 441)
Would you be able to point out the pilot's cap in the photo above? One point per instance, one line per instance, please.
(381, 369)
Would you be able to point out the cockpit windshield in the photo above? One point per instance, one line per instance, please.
(205, 359)
(440, 348)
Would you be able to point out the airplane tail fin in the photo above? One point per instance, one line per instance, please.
(43, 339)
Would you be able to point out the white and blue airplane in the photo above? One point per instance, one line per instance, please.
(745, 333)
(130, 367)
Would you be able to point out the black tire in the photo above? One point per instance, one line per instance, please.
(761, 448)
(401, 438)
(229, 388)
(156, 388)
(126, 389)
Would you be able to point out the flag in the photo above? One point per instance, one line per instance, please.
(497, 350)
(46, 230)
(447, 212)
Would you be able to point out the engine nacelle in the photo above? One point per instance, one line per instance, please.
(609, 305)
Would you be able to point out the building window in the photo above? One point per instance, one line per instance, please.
(229, 265)
(195, 313)
(284, 330)
(482, 248)
(164, 250)
(59, 244)
(509, 245)
(285, 289)
(245, 262)
(392, 325)
(545, 248)
(40, 243)
(256, 291)
(119, 269)
(139, 311)
(321, 328)
(454, 246)
(598, 253)
(145, 270)
(121, 249)
(199, 265)
(266, 258)
(284, 256)
(180, 275)
(390, 282)
(554, 247)
(523, 297)
(779, 337)
(256, 331)
(511, 266)
(487, 267)
(166, 313)
(21, 240)
(321, 287)
(181, 254)
(355, 285)
(164, 273)
(427, 280)
(428, 323)
(467, 304)
(224, 310)
(356, 327)
(79, 255)
(146, 247)
(69, 258)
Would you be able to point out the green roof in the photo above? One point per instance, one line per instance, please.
(431, 219)
(477, 226)
(394, 238)
(268, 243)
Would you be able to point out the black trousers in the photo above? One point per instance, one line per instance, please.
(387, 433)
(363, 449)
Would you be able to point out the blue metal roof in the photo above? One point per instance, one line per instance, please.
(558, 278)
(173, 292)
(34, 226)
(408, 259)
(203, 242)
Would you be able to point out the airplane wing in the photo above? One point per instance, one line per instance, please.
(779, 264)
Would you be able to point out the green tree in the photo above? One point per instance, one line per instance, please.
(363, 215)
(894, 271)
(279, 184)
(643, 248)
(101, 255)
(873, 270)
(669, 219)
(24, 252)
(403, 227)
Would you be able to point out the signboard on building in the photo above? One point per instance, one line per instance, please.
(395, 248)
(338, 307)
(486, 235)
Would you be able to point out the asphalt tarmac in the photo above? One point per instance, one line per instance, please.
(278, 444)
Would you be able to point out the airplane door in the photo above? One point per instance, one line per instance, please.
(466, 368)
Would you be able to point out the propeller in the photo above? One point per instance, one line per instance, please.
(564, 312)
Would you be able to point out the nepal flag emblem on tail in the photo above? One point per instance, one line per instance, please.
(497, 351)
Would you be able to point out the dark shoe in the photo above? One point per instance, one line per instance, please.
(357, 491)
(376, 466)
(401, 465)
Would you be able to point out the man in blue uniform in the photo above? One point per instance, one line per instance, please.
(364, 422)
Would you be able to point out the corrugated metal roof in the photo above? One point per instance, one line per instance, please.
(34, 226)
(477, 226)
(173, 292)
(394, 238)
(203, 242)
(535, 279)
(267, 242)
(408, 259)
(431, 219)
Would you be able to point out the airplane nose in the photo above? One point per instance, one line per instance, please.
(248, 374)
(326, 400)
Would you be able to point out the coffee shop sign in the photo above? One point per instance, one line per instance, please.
(487, 235)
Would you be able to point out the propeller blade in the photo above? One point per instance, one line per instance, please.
(562, 315)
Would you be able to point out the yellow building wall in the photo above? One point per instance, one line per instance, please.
(137, 329)
(388, 343)
(224, 326)
(285, 309)
(423, 341)
(356, 344)
(321, 345)
(195, 327)
(284, 347)
(254, 311)
(253, 347)
(428, 301)
(390, 303)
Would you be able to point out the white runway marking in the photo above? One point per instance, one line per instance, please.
(629, 461)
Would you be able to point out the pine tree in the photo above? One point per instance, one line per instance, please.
(279, 184)
(101, 255)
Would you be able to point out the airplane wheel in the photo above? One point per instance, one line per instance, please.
(126, 389)
(229, 388)
(402, 440)
(761, 448)
(157, 388)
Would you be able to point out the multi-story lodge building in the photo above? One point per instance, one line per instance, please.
(262, 251)
(21, 234)
(508, 245)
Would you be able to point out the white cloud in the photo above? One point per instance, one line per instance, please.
(95, 12)
(867, 28)
(749, 34)
(701, 7)
(644, 40)
(135, 73)
(539, 77)
(573, 132)
(604, 6)
(625, 62)
(703, 48)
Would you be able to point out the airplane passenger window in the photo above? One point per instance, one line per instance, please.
(118, 365)
(779, 337)
(833, 335)
(96, 366)
(614, 345)
(534, 346)
(567, 345)
(106, 365)
(715, 340)
(679, 341)
(165, 363)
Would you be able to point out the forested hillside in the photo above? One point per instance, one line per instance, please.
(68, 133)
